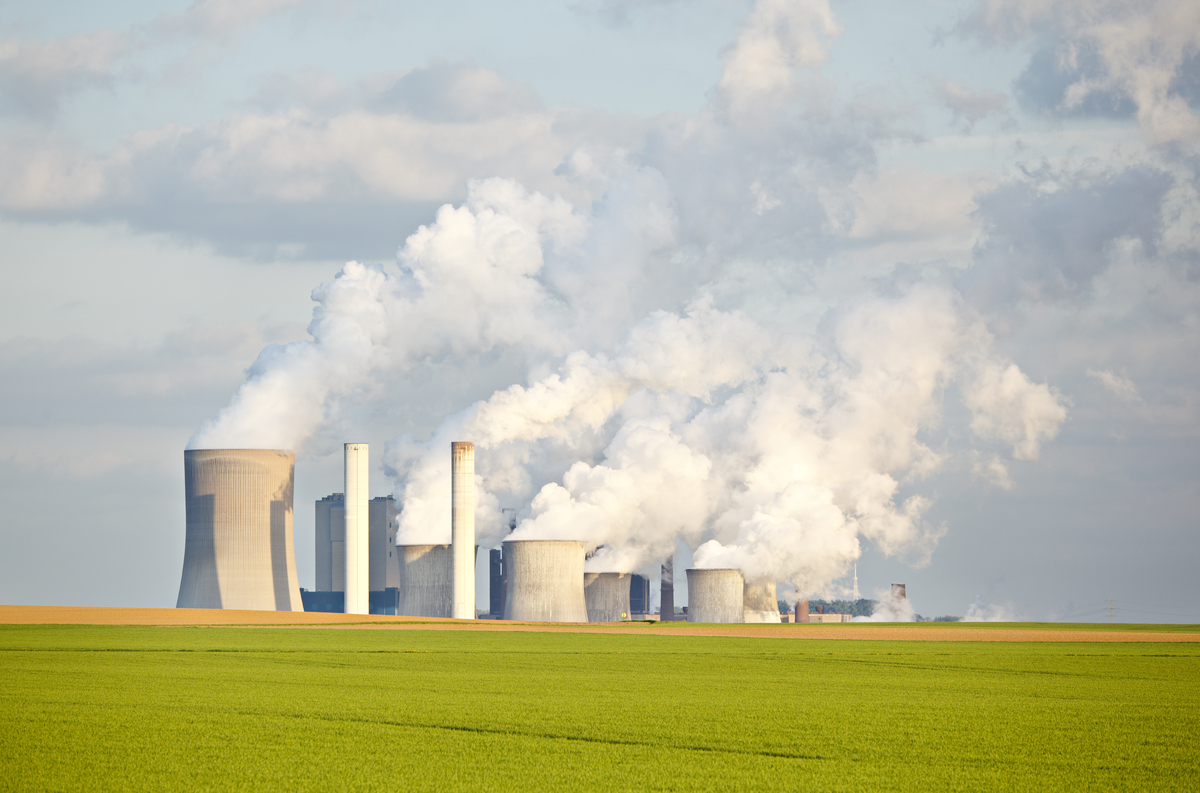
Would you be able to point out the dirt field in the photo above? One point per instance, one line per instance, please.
(978, 632)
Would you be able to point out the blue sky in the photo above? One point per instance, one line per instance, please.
(960, 238)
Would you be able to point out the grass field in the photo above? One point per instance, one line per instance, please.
(92, 707)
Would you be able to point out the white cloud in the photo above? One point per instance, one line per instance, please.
(1118, 385)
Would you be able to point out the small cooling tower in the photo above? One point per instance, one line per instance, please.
(607, 596)
(715, 595)
(426, 580)
(759, 603)
(545, 581)
(238, 552)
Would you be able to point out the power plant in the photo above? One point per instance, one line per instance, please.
(715, 595)
(606, 596)
(545, 581)
(238, 551)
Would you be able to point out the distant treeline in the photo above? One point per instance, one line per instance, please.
(863, 607)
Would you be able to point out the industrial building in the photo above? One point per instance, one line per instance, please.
(238, 550)
(383, 558)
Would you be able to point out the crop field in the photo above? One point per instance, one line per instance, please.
(137, 707)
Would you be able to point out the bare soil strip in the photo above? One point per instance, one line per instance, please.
(83, 615)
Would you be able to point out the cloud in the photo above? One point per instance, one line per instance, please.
(1105, 58)
(35, 76)
(1118, 385)
(967, 106)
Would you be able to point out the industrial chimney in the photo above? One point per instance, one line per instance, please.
(606, 596)
(545, 581)
(715, 595)
(666, 591)
(462, 528)
(358, 547)
(238, 552)
(759, 603)
(898, 592)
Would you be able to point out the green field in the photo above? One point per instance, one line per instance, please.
(234, 708)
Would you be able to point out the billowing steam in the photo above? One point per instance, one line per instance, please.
(675, 378)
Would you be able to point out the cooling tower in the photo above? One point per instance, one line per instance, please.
(426, 580)
(759, 603)
(462, 527)
(545, 581)
(606, 596)
(358, 547)
(238, 552)
(715, 595)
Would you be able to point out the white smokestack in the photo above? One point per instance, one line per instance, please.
(462, 527)
(358, 569)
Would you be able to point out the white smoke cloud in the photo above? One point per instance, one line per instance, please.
(889, 607)
(1116, 384)
(981, 611)
(681, 379)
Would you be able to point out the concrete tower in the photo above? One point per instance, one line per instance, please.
(426, 580)
(385, 571)
(606, 596)
(759, 603)
(238, 552)
(462, 527)
(545, 581)
(358, 546)
(715, 595)
(666, 591)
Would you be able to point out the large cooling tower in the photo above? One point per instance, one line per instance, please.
(606, 596)
(759, 603)
(426, 580)
(545, 581)
(462, 527)
(715, 595)
(239, 552)
(358, 546)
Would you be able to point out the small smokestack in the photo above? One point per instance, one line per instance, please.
(358, 547)
(898, 592)
(462, 527)
(666, 591)
(802, 611)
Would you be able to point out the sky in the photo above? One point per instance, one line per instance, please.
(799, 287)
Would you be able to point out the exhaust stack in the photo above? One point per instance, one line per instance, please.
(358, 547)
(462, 528)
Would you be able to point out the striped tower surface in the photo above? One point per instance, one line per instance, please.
(545, 581)
(606, 596)
(760, 603)
(358, 547)
(715, 595)
(239, 552)
(462, 528)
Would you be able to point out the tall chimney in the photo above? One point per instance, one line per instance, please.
(462, 527)
(358, 516)
(898, 592)
(802, 610)
(666, 592)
